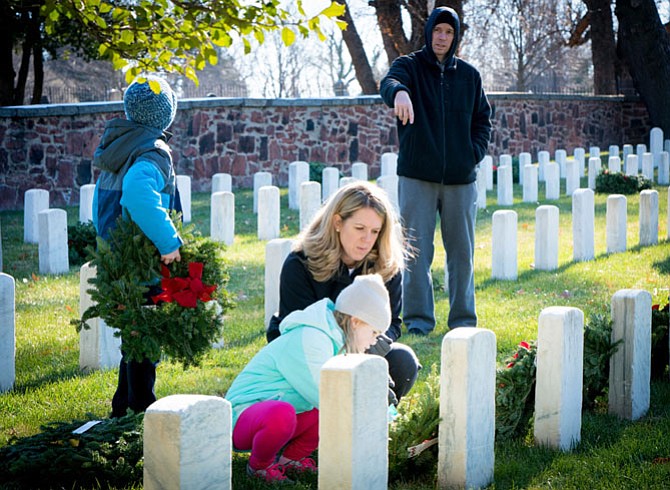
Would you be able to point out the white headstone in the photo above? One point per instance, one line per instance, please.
(560, 157)
(268, 213)
(530, 183)
(298, 172)
(276, 252)
(481, 189)
(630, 365)
(184, 186)
(572, 179)
(86, 203)
(1, 269)
(648, 166)
(99, 348)
(505, 160)
(579, 155)
(583, 217)
(222, 182)
(188, 443)
(542, 160)
(390, 184)
(353, 423)
(656, 144)
(613, 151)
(222, 217)
(594, 152)
(487, 165)
(664, 168)
(552, 179)
(640, 150)
(627, 150)
(632, 165)
(53, 248)
(525, 158)
(389, 164)
(595, 169)
(648, 217)
(310, 202)
(560, 369)
(505, 186)
(466, 433)
(7, 332)
(330, 182)
(546, 237)
(614, 164)
(261, 179)
(346, 181)
(34, 202)
(616, 223)
(504, 246)
(359, 170)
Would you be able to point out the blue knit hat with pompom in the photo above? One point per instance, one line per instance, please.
(143, 106)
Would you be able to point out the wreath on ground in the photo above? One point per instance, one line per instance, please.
(176, 311)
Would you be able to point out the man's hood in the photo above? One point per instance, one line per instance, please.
(438, 16)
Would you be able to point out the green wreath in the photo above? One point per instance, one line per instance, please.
(129, 263)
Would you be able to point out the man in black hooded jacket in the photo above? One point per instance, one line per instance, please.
(444, 128)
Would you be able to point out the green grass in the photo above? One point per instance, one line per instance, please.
(613, 454)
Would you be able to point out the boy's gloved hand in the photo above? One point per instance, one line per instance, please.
(382, 347)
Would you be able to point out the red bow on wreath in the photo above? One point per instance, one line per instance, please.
(185, 291)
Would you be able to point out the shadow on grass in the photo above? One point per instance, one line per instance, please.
(662, 266)
(46, 364)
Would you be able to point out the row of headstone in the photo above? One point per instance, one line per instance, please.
(504, 231)
(187, 438)
(37, 200)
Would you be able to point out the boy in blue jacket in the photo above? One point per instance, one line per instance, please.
(137, 179)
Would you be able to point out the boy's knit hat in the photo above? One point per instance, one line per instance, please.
(367, 299)
(144, 106)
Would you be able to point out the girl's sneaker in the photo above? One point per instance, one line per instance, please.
(304, 466)
(272, 474)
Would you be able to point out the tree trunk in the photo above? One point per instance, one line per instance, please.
(603, 47)
(390, 25)
(7, 72)
(38, 60)
(364, 75)
(646, 48)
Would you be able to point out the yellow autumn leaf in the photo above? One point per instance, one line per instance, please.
(155, 86)
(333, 10)
(287, 36)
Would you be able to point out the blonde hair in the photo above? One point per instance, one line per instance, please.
(321, 244)
(345, 323)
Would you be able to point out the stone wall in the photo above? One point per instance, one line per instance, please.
(51, 146)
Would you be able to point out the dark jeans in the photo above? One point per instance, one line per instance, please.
(135, 389)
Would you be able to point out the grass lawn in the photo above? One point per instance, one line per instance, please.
(612, 454)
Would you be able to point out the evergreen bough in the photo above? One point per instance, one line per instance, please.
(128, 274)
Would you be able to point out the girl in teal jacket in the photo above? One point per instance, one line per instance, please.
(275, 399)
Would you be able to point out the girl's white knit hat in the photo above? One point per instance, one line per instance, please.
(367, 299)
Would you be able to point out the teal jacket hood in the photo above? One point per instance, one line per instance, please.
(289, 368)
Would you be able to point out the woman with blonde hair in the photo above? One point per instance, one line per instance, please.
(356, 232)
(275, 398)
